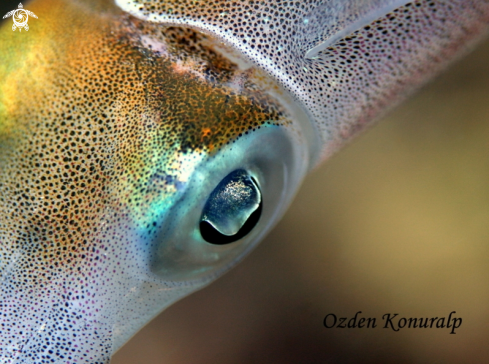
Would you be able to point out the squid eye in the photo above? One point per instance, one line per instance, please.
(232, 210)
(234, 196)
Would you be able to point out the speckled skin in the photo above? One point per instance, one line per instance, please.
(100, 135)
(114, 130)
(389, 48)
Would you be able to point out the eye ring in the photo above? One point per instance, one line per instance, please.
(269, 159)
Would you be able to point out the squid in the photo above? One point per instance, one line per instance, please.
(147, 146)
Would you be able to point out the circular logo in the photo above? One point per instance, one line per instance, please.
(20, 18)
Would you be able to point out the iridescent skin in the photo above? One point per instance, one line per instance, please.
(109, 152)
(115, 129)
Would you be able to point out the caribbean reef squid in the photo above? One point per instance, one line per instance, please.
(146, 146)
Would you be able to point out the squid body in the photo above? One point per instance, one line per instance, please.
(146, 146)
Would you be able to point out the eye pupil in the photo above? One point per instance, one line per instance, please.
(211, 235)
(232, 210)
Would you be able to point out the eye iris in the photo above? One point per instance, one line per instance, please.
(232, 210)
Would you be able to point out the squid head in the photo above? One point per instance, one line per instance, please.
(147, 146)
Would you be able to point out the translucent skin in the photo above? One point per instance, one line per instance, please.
(369, 54)
(104, 119)
(101, 138)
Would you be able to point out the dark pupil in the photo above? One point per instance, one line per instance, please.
(232, 210)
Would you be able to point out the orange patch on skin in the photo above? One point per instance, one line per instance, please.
(206, 132)
(109, 122)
